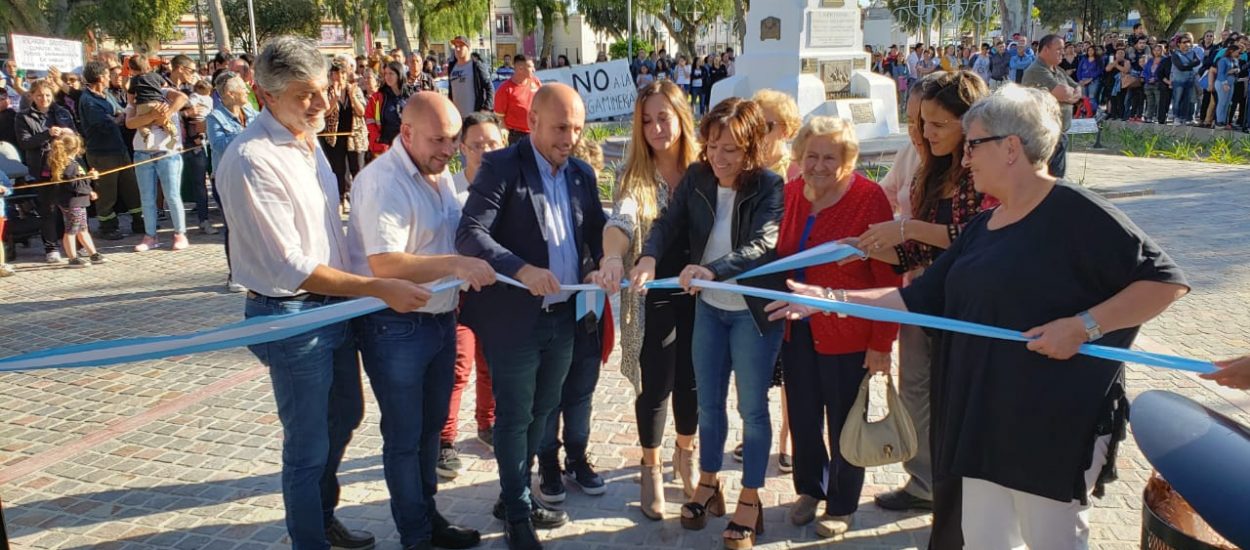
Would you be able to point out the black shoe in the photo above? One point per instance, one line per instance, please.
(446, 535)
(900, 500)
(423, 545)
(111, 234)
(550, 486)
(520, 535)
(487, 437)
(541, 516)
(342, 537)
(738, 453)
(583, 475)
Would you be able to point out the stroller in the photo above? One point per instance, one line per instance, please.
(22, 216)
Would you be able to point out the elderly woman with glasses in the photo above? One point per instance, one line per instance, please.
(1027, 432)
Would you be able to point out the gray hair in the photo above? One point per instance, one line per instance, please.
(1030, 114)
(227, 81)
(287, 59)
(347, 61)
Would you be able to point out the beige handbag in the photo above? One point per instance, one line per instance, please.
(886, 441)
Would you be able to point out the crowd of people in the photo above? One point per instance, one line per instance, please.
(1180, 80)
(968, 224)
(694, 77)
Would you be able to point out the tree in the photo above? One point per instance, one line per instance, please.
(274, 18)
(447, 18)
(1239, 16)
(529, 13)
(606, 16)
(355, 15)
(221, 30)
(1164, 18)
(399, 26)
(684, 19)
(22, 17)
(141, 23)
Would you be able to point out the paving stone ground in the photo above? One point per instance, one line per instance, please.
(184, 452)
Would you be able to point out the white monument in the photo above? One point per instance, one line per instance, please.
(813, 50)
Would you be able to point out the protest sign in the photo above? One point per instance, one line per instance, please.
(607, 88)
(38, 53)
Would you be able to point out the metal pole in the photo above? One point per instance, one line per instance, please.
(251, 21)
(199, 29)
(629, 6)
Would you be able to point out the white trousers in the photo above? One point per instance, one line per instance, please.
(998, 518)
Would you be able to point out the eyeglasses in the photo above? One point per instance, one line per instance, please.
(971, 144)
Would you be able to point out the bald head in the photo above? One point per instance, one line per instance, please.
(557, 117)
(430, 132)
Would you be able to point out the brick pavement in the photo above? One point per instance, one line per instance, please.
(184, 452)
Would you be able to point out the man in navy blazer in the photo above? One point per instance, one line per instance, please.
(533, 213)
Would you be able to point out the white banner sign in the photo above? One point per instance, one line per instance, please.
(36, 53)
(607, 88)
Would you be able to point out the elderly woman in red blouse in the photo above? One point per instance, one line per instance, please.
(827, 357)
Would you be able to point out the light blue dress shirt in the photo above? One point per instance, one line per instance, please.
(558, 227)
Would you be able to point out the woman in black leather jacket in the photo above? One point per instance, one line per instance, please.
(729, 205)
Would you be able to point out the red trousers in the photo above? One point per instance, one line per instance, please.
(468, 354)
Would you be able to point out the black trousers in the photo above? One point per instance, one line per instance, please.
(821, 391)
(1165, 103)
(1058, 164)
(345, 164)
(667, 368)
(51, 224)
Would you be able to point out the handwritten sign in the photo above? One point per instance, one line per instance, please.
(832, 28)
(607, 88)
(36, 53)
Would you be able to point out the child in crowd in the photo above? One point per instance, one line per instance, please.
(148, 88)
(6, 187)
(73, 197)
(199, 105)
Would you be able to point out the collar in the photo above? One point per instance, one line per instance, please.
(277, 132)
(409, 168)
(544, 166)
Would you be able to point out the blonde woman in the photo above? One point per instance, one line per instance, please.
(655, 355)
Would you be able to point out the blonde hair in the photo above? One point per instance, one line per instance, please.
(785, 108)
(637, 180)
(61, 153)
(589, 151)
(842, 132)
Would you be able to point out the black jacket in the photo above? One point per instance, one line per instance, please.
(756, 222)
(502, 224)
(485, 100)
(33, 137)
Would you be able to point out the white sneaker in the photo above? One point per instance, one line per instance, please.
(233, 286)
(53, 257)
(207, 228)
(7, 270)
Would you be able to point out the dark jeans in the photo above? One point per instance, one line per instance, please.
(820, 390)
(225, 228)
(576, 397)
(527, 380)
(410, 359)
(345, 164)
(194, 174)
(118, 188)
(1058, 164)
(667, 368)
(316, 384)
(1183, 101)
(51, 226)
(1165, 103)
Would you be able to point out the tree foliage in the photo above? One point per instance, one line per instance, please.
(530, 14)
(443, 19)
(356, 14)
(620, 48)
(685, 19)
(606, 16)
(274, 18)
(1165, 17)
(142, 23)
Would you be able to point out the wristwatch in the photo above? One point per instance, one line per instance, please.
(1092, 330)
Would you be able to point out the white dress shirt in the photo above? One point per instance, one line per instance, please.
(394, 209)
(281, 201)
(897, 182)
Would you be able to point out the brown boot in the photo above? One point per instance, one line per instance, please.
(652, 498)
(683, 465)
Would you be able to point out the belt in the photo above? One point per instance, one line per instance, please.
(305, 297)
(558, 307)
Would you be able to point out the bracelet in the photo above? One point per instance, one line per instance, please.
(617, 258)
(902, 231)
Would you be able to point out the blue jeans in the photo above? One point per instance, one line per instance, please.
(169, 171)
(1183, 100)
(1091, 91)
(411, 360)
(194, 172)
(728, 342)
(575, 399)
(1223, 101)
(316, 383)
(527, 381)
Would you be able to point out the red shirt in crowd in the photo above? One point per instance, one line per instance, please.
(512, 102)
(863, 204)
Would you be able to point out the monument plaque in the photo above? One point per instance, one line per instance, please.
(837, 77)
(770, 28)
(830, 29)
(861, 113)
(833, 3)
(809, 65)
